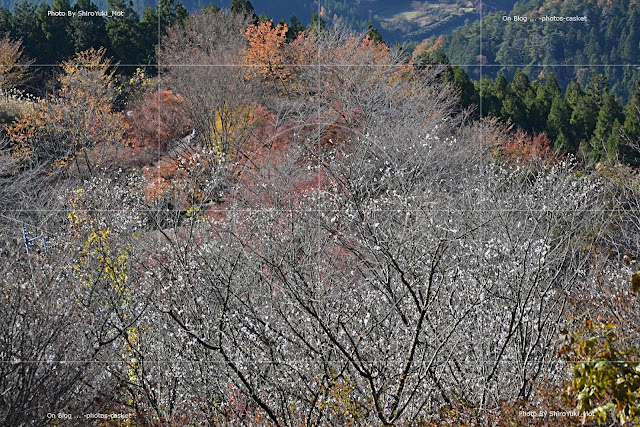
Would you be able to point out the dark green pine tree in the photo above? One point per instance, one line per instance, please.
(597, 88)
(559, 125)
(631, 46)
(25, 27)
(583, 117)
(317, 25)
(374, 34)
(295, 28)
(451, 74)
(125, 38)
(170, 13)
(87, 31)
(574, 93)
(490, 105)
(210, 8)
(150, 35)
(243, 8)
(426, 58)
(462, 83)
(530, 104)
(551, 85)
(541, 107)
(514, 109)
(6, 22)
(522, 88)
(631, 129)
(609, 114)
(57, 42)
(509, 50)
(614, 143)
(462, 46)
(154, 24)
(501, 87)
(520, 84)
(632, 115)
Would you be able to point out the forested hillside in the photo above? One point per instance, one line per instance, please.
(607, 43)
(400, 21)
(130, 38)
(281, 225)
(585, 121)
(574, 82)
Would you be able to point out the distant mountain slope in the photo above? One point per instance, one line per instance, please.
(401, 20)
(276, 9)
(607, 41)
(398, 21)
(417, 20)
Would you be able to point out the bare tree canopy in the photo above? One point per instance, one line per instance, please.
(333, 241)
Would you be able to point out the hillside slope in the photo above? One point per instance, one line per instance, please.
(605, 38)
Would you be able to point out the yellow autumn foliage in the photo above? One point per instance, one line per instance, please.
(61, 130)
(230, 130)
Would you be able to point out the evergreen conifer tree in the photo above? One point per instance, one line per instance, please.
(124, 34)
(243, 8)
(374, 34)
(295, 27)
(609, 114)
(559, 124)
(317, 25)
(87, 31)
(57, 42)
(25, 27)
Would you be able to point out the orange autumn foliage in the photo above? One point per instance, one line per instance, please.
(271, 58)
(427, 47)
(178, 179)
(266, 57)
(78, 122)
(177, 176)
(14, 69)
(355, 51)
(161, 178)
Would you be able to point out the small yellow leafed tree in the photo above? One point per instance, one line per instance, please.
(77, 127)
(13, 67)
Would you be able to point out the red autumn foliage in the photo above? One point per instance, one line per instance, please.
(159, 120)
(266, 150)
(524, 148)
(175, 176)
